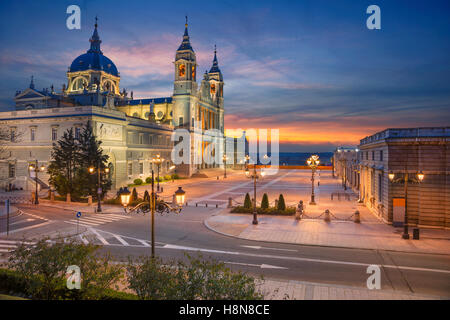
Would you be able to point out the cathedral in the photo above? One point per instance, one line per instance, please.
(133, 131)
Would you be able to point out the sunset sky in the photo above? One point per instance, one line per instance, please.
(310, 68)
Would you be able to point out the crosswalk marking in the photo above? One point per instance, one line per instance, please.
(98, 219)
(145, 243)
(10, 245)
(99, 236)
(121, 240)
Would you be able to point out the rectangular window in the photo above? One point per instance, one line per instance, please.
(12, 134)
(77, 132)
(181, 121)
(193, 122)
(141, 138)
(141, 168)
(130, 168)
(12, 170)
(380, 187)
(32, 134)
(54, 134)
(381, 155)
(373, 155)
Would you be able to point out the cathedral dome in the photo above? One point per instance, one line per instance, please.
(94, 59)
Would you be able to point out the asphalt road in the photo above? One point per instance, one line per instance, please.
(178, 234)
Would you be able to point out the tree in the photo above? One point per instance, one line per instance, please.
(91, 155)
(146, 196)
(247, 201)
(281, 203)
(134, 195)
(62, 167)
(265, 201)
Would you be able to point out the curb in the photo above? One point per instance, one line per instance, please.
(205, 223)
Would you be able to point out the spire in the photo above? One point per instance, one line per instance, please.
(215, 65)
(32, 83)
(95, 40)
(185, 44)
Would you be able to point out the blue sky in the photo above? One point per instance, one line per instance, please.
(310, 68)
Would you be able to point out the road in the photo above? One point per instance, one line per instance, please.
(127, 236)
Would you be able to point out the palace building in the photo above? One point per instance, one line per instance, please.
(133, 131)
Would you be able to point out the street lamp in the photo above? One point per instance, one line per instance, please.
(255, 176)
(405, 179)
(313, 163)
(91, 170)
(158, 161)
(35, 167)
(225, 165)
(125, 197)
(162, 206)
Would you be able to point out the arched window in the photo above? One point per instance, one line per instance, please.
(79, 84)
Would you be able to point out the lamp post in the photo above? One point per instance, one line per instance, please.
(157, 160)
(313, 162)
(255, 176)
(225, 165)
(35, 167)
(179, 198)
(405, 179)
(99, 184)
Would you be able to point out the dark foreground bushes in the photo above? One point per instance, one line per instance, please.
(39, 272)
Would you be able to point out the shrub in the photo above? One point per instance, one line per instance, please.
(159, 179)
(134, 195)
(148, 180)
(281, 203)
(175, 176)
(153, 279)
(265, 201)
(43, 270)
(146, 196)
(167, 177)
(138, 181)
(247, 201)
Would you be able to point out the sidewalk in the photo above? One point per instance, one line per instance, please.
(82, 207)
(369, 234)
(299, 290)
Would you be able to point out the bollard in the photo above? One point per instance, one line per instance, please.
(217, 177)
(196, 204)
(299, 210)
(327, 217)
(217, 205)
(206, 205)
(89, 200)
(230, 202)
(357, 218)
(416, 234)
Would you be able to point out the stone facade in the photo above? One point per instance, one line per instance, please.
(397, 151)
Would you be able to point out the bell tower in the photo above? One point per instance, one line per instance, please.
(185, 85)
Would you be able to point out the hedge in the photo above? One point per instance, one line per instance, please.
(11, 282)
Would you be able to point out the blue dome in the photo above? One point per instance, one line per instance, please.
(94, 61)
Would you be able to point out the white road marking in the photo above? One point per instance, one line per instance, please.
(84, 222)
(27, 228)
(21, 221)
(267, 248)
(99, 236)
(145, 243)
(176, 247)
(121, 240)
(84, 239)
(262, 266)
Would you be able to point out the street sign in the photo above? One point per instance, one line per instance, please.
(78, 214)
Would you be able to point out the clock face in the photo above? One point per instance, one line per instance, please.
(182, 70)
(193, 72)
